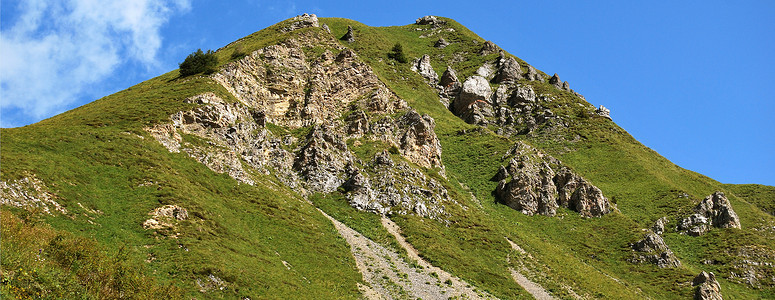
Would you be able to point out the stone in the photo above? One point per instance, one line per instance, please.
(349, 36)
(429, 20)
(423, 66)
(441, 43)
(322, 158)
(165, 217)
(652, 249)
(501, 175)
(533, 75)
(566, 86)
(659, 225)
(531, 191)
(488, 48)
(603, 112)
(30, 193)
(475, 90)
(508, 71)
(302, 21)
(449, 78)
(714, 211)
(555, 81)
(325, 27)
(524, 94)
(706, 287)
(487, 70)
(417, 140)
(576, 193)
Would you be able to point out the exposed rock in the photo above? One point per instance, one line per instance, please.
(487, 70)
(603, 112)
(325, 27)
(418, 141)
(501, 175)
(29, 193)
(524, 94)
(449, 78)
(555, 81)
(508, 70)
(383, 159)
(441, 43)
(322, 159)
(302, 21)
(489, 48)
(652, 249)
(715, 210)
(357, 124)
(429, 20)
(361, 196)
(706, 287)
(533, 75)
(165, 217)
(349, 36)
(535, 188)
(475, 93)
(423, 66)
(449, 87)
(659, 225)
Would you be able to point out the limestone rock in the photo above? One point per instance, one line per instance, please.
(531, 191)
(357, 124)
(489, 48)
(533, 75)
(508, 70)
(706, 287)
(577, 194)
(555, 81)
(603, 112)
(652, 249)
(501, 175)
(423, 66)
(449, 78)
(302, 21)
(475, 91)
(487, 70)
(360, 194)
(524, 94)
(714, 211)
(325, 27)
(349, 36)
(441, 43)
(30, 193)
(165, 217)
(429, 20)
(659, 225)
(418, 141)
(322, 159)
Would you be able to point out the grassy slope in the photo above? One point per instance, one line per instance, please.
(242, 234)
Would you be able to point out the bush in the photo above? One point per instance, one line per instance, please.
(397, 53)
(199, 62)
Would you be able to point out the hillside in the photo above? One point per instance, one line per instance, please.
(313, 164)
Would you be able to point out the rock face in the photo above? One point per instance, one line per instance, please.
(423, 66)
(659, 225)
(418, 141)
(349, 36)
(706, 287)
(714, 211)
(322, 158)
(652, 249)
(603, 112)
(508, 70)
(489, 48)
(429, 20)
(535, 187)
(29, 193)
(473, 102)
(302, 21)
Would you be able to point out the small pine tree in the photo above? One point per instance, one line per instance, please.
(199, 62)
(397, 53)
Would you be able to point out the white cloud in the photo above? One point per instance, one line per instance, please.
(56, 49)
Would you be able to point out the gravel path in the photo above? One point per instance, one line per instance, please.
(390, 277)
(531, 287)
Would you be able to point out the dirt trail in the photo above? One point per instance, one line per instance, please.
(531, 287)
(390, 277)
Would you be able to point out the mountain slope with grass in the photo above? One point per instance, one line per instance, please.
(313, 161)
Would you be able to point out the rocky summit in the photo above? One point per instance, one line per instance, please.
(326, 159)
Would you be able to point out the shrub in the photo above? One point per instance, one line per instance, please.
(199, 62)
(397, 53)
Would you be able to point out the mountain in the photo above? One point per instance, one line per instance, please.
(314, 163)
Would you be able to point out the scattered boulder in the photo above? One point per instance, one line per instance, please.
(325, 27)
(429, 20)
(508, 70)
(659, 225)
(165, 217)
(441, 43)
(555, 81)
(487, 70)
(714, 211)
(533, 75)
(449, 79)
(489, 48)
(423, 66)
(349, 36)
(706, 287)
(472, 104)
(603, 112)
(652, 249)
(576, 193)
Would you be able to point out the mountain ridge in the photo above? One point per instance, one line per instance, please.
(111, 137)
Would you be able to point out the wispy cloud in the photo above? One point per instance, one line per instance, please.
(56, 49)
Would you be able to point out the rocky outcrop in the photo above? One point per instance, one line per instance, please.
(429, 20)
(165, 218)
(441, 43)
(714, 211)
(659, 225)
(489, 48)
(472, 104)
(652, 249)
(349, 36)
(508, 70)
(555, 81)
(325, 27)
(533, 75)
(322, 159)
(603, 112)
(536, 188)
(706, 287)
(29, 193)
(423, 66)
(302, 21)
(417, 140)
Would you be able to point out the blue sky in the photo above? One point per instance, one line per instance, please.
(690, 79)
